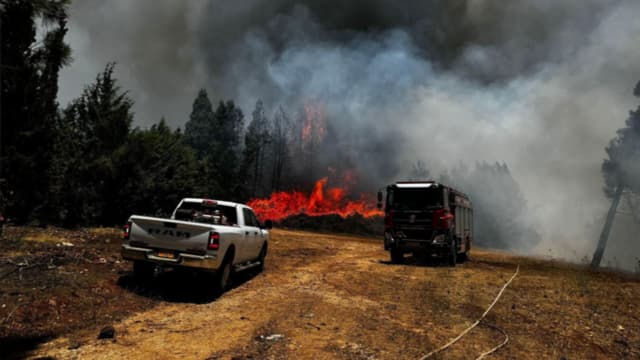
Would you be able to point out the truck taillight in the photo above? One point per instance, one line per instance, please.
(126, 231)
(442, 219)
(214, 241)
(388, 220)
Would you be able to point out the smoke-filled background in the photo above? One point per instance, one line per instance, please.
(538, 85)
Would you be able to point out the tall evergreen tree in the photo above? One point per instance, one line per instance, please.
(621, 172)
(280, 135)
(224, 159)
(93, 128)
(215, 136)
(622, 167)
(29, 108)
(254, 153)
(200, 128)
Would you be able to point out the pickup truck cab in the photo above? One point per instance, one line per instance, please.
(205, 235)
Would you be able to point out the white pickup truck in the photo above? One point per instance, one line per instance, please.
(205, 235)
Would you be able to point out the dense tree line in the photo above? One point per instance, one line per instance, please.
(99, 169)
(84, 163)
(29, 111)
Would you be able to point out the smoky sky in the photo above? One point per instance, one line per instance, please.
(541, 85)
(166, 49)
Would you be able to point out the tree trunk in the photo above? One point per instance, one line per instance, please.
(606, 229)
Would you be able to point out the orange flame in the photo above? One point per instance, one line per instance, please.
(321, 201)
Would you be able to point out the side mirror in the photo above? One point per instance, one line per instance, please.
(268, 224)
(379, 199)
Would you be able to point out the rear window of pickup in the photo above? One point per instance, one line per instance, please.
(207, 213)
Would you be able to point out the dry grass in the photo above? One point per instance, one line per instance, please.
(47, 289)
(43, 238)
(337, 297)
(106, 231)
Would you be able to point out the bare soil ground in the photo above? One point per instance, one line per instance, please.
(322, 296)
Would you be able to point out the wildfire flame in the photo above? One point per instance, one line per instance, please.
(321, 201)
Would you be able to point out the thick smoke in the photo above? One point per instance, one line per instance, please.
(541, 85)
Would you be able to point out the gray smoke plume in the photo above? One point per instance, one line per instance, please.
(541, 85)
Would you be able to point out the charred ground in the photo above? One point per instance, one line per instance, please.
(322, 296)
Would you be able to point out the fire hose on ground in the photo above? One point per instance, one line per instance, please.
(454, 340)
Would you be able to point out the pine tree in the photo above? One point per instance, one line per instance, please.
(215, 136)
(279, 147)
(224, 159)
(199, 129)
(254, 153)
(29, 109)
(621, 172)
(622, 168)
(94, 127)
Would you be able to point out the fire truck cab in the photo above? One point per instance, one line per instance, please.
(426, 218)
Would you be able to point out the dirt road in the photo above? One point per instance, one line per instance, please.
(337, 297)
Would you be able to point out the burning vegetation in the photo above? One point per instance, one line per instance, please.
(332, 197)
(320, 202)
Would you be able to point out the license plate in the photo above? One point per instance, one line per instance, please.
(167, 255)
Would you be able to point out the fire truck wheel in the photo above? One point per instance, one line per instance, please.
(465, 255)
(453, 256)
(397, 256)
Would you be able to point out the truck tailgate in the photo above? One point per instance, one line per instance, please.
(169, 234)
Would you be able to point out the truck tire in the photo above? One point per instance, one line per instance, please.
(144, 270)
(465, 255)
(453, 256)
(397, 256)
(221, 278)
(262, 257)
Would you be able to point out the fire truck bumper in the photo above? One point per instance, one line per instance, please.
(437, 244)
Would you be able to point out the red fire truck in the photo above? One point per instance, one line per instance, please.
(426, 218)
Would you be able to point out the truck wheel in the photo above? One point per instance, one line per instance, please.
(262, 257)
(453, 256)
(397, 256)
(143, 269)
(222, 277)
(465, 255)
